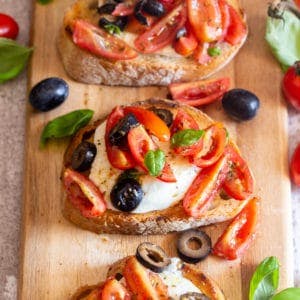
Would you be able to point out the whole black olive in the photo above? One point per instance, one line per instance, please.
(83, 156)
(164, 114)
(193, 296)
(119, 132)
(180, 33)
(154, 8)
(152, 257)
(240, 104)
(126, 195)
(138, 12)
(193, 254)
(107, 8)
(48, 93)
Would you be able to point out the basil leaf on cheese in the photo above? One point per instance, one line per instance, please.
(288, 294)
(186, 137)
(155, 161)
(66, 125)
(13, 59)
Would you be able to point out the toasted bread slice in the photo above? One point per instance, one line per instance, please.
(203, 282)
(159, 68)
(170, 219)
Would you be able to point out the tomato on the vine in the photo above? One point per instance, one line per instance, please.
(8, 27)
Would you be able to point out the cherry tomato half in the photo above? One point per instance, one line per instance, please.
(8, 27)
(101, 43)
(183, 120)
(237, 236)
(114, 290)
(186, 45)
(295, 166)
(291, 85)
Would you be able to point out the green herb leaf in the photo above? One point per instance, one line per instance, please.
(131, 173)
(186, 137)
(112, 29)
(264, 281)
(66, 125)
(155, 161)
(283, 36)
(214, 51)
(288, 294)
(13, 58)
(44, 1)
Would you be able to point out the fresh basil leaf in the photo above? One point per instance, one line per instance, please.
(112, 29)
(214, 51)
(186, 137)
(288, 294)
(155, 161)
(131, 173)
(66, 125)
(13, 58)
(44, 1)
(283, 37)
(264, 281)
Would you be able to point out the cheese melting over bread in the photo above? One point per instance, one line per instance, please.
(158, 195)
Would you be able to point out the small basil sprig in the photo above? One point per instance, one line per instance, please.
(13, 59)
(66, 125)
(112, 29)
(155, 161)
(186, 137)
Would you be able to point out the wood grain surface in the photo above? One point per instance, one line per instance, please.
(58, 257)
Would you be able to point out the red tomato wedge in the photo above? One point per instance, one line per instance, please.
(183, 120)
(163, 32)
(237, 236)
(114, 290)
(118, 158)
(205, 188)
(143, 283)
(214, 143)
(199, 92)
(123, 9)
(167, 174)
(205, 18)
(201, 55)
(189, 150)
(84, 194)
(225, 16)
(151, 121)
(101, 43)
(186, 45)
(237, 30)
(239, 181)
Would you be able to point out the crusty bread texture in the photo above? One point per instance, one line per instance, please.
(171, 219)
(145, 69)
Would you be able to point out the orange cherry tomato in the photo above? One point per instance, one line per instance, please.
(295, 166)
(237, 236)
(84, 194)
(114, 290)
(101, 43)
(205, 188)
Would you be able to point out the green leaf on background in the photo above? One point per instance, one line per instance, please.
(13, 59)
(186, 137)
(155, 161)
(66, 125)
(288, 294)
(283, 36)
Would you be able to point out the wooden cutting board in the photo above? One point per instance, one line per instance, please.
(57, 257)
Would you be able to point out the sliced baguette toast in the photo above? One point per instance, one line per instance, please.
(163, 221)
(158, 68)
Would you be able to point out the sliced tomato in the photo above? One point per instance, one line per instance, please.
(225, 16)
(114, 290)
(239, 181)
(205, 188)
(189, 150)
(237, 28)
(151, 121)
(199, 92)
(240, 232)
(123, 9)
(118, 158)
(163, 32)
(214, 143)
(167, 174)
(183, 120)
(101, 43)
(143, 283)
(84, 194)
(186, 45)
(201, 55)
(205, 18)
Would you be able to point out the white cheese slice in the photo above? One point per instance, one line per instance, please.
(158, 195)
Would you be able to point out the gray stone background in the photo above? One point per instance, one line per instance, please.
(12, 122)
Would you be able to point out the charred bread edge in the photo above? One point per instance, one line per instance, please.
(156, 222)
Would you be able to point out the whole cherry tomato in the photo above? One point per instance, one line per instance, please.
(8, 27)
(291, 85)
(295, 166)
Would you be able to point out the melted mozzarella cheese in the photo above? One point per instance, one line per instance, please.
(158, 195)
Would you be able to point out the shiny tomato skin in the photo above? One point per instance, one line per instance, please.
(101, 43)
(84, 194)
(240, 232)
(161, 33)
(291, 85)
(295, 166)
(9, 28)
(183, 120)
(114, 290)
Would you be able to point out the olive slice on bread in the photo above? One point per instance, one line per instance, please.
(83, 156)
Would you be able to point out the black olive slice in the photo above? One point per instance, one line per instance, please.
(121, 22)
(83, 156)
(107, 8)
(119, 132)
(152, 257)
(193, 245)
(138, 13)
(126, 194)
(193, 296)
(154, 8)
(164, 114)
